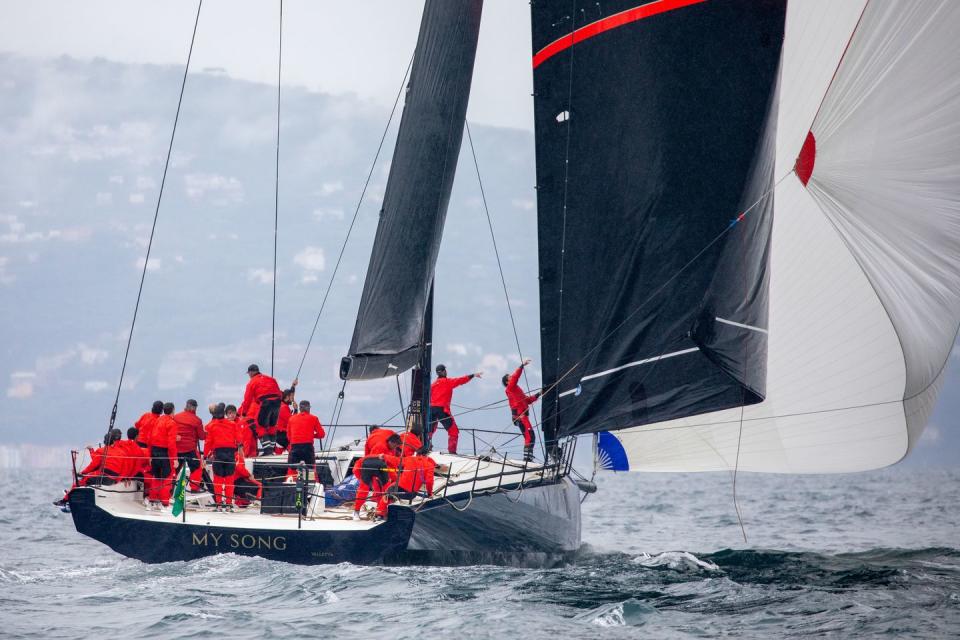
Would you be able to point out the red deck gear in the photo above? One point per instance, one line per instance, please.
(377, 442)
(189, 431)
(260, 387)
(303, 428)
(221, 434)
(144, 427)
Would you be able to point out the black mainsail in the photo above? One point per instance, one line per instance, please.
(655, 130)
(388, 337)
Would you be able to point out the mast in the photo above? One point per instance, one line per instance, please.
(419, 411)
(388, 336)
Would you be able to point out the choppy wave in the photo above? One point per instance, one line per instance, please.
(55, 583)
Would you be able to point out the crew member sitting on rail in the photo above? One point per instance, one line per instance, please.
(107, 464)
(246, 489)
(415, 472)
(519, 407)
(220, 445)
(302, 429)
(189, 434)
(163, 449)
(144, 424)
(289, 398)
(441, 395)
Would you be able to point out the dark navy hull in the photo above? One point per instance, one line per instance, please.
(539, 525)
(156, 541)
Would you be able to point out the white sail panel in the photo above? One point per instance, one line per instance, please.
(865, 272)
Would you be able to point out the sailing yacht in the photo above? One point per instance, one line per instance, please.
(749, 259)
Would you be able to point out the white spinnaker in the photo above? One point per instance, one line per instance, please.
(865, 271)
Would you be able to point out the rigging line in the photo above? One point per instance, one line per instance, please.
(503, 281)
(353, 221)
(335, 415)
(400, 397)
(276, 198)
(156, 215)
(566, 183)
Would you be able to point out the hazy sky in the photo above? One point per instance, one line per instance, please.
(335, 47)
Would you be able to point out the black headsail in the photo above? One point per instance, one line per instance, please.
(655, 126)
(388, 334)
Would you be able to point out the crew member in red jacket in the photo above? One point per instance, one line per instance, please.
(136, 462)
(283, 419)
(220, 445)
(189, 435)
(519, 407)
(163, 451)
(381, 440)
(246, 489)
(415, 472)
(302, 430)
(107, 464)
(261, 401)
(145, 424)
(441, 394)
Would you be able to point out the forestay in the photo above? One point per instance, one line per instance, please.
(864, 262)
(386, 338)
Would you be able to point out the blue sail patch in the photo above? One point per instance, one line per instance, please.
(610, 453)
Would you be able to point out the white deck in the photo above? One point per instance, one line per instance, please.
(125, 500)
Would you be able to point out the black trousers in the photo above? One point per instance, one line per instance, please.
(224, 461)
(282, 439)
(302, 453)
(159, 462)
(269, 412)
(190, 459)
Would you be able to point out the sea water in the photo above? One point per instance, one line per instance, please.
(664, 556)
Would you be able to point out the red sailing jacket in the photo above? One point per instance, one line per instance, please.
(441, 391)
(246, 435)
(189, 431)
(259, 387)
(417, 471)
(221, 434)
(145, 427)
(135, 459)
(303, 428)
(164, 435)
(409, 444)
(284, 417)
(519, 401)
(377, 442)
(114, 461)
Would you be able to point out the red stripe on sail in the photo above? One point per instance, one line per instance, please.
(608, 23)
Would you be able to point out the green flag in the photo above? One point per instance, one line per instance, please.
(180, 491)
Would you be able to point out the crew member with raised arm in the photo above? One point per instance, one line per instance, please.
(441, 395)
(163, 451)
(220, 445)
(302, 430)
(189, 435)
(519, 408)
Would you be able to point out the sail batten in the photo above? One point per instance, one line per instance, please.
(390, 321)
